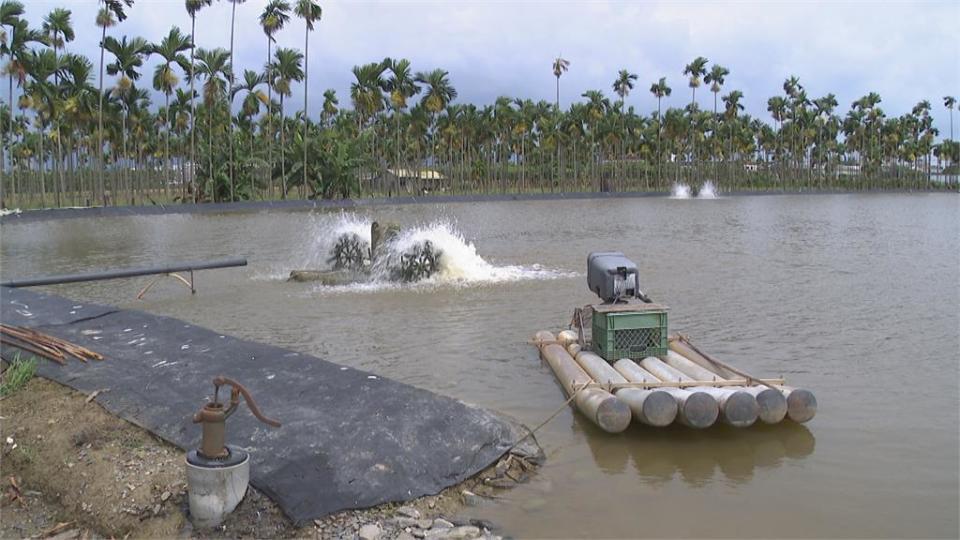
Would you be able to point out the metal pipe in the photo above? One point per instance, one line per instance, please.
(125, 273)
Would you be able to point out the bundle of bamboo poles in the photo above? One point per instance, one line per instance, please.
(45, 345)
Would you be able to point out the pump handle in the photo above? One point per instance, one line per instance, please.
(237, 387)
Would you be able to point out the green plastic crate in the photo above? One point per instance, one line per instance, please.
(626, 334)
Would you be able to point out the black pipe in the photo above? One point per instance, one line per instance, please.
(130, 272)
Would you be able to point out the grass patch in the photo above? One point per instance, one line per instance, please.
(17, 374)
(131, 442)
(26, 453)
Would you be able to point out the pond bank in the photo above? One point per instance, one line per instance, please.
(76, 463)
(349, 439)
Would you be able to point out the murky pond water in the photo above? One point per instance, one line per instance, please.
(853, 296)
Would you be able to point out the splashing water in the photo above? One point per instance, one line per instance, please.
(327, 231)
(683, 191)
(459, 264)
(680, 191)
(459, 261)
(707, 191)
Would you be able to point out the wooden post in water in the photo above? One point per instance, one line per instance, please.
(598, 405)
(800, 408)
(738, 408)
(694, 409)
(653, 407)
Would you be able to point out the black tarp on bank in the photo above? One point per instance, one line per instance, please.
(349, 439)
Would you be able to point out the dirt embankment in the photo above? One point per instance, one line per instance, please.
(74, 463)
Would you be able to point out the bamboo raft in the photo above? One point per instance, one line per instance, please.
(686, 385)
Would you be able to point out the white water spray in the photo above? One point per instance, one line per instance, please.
(707, 191)
(326, 232)
(459, 265)
(680, 191)
(683, 191)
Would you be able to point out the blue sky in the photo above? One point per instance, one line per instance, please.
(905, 51)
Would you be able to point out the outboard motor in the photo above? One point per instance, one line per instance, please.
(613, 277)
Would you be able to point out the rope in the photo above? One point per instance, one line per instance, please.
(531, 432)
(750, 378)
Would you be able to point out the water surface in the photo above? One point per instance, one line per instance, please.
(853, 296)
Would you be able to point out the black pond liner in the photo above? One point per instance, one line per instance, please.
(349, 439)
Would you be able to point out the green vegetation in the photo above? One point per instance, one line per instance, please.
(17, 374)
(218, 136)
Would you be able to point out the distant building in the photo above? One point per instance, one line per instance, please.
(416, 180)
(848, 170)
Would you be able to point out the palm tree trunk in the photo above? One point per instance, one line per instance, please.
(124, 135)
(3, 166)
(270, 119)
(693, 137)
(103, 194)
(213, 181)
(58, 164)
(62, 186)
(233, 16)
(659, 151)
(283, 154)
(193, 106)
(523, 162)
(166, 152)
(10, 126)
(396, 165)
(40, 160)
(951, 134)
(306, 88)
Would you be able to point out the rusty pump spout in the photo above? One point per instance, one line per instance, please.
(214, 416)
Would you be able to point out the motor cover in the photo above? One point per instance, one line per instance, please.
(612, 276)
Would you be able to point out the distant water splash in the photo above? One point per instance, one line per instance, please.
(707, 191)
(459, 264)
(682, 191)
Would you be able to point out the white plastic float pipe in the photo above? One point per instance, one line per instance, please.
(652, 407)
(801, 403)
(771, 403)
(566, 337)
(694, 408)
(600, 406)
(737, 408)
